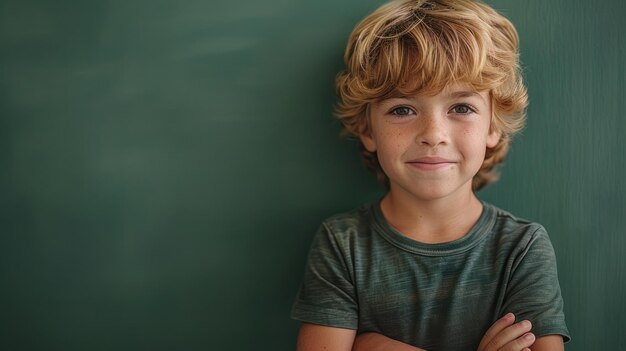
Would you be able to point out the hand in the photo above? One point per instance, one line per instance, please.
(506, 335)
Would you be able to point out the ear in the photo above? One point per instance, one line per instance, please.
(493, 137)
(365, 132)
(494, 131)
(368, 141)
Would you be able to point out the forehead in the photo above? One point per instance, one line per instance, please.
(460, 90)
(450, 91)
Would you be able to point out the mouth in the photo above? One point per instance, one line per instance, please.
(431, 163)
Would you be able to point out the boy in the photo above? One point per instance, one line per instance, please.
(433, 92)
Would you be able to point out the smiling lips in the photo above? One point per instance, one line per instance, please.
(430, 163)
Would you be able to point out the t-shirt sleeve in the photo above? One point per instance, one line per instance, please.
(327, 294)
(533, 291)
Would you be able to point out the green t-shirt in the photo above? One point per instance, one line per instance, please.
(363, 274)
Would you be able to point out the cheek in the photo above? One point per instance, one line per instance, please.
(474, 143)
(392, 144)
(393, 141)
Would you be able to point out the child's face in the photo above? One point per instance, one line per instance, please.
(431, 147)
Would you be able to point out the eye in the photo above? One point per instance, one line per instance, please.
(463, 109)
(402, 111)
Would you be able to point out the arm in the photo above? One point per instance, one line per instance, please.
(313, 337)
(379, 342)
(549, 343)
(503, 335)
(533, 290)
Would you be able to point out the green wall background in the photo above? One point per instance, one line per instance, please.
(164, 165)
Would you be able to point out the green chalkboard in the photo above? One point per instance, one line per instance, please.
(164, 165)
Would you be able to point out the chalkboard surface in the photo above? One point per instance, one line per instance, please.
(164, 165)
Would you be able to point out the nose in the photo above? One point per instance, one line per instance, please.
(433, 131)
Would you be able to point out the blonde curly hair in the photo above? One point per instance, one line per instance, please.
(421, 46)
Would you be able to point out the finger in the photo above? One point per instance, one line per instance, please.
(507, 320)
(508, 335)
(521, 343)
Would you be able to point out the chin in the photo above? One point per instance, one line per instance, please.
(427, 193)
(430, 191)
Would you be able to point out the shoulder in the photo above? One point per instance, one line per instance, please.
(343, 232)
(509, 224)
(350, 223)
(524, 245)
(517, 233)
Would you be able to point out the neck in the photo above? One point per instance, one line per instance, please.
(432, 221)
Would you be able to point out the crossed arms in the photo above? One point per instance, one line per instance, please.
(503, 335)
